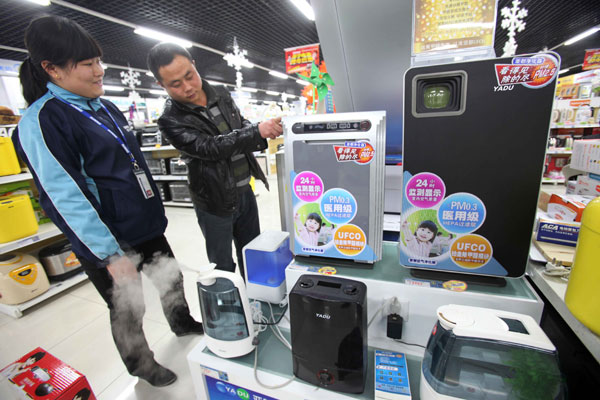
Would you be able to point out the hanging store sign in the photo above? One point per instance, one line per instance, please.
(299, 59)
(591, 59)
(453, 25)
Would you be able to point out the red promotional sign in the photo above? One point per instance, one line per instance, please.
(591, 59)
(300, 59)
(533, 72)
(359, 152)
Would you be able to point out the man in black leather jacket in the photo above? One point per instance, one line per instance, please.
(216, 143)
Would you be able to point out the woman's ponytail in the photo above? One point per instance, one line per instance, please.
(33, 81)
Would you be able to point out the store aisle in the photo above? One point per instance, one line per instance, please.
(74, 325)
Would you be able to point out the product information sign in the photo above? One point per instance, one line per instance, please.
(452, 25)
(300, 59)
(220, 390)
(467, 205)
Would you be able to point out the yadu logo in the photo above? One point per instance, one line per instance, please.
(324, 316)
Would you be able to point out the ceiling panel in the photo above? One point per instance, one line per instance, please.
(264, 28)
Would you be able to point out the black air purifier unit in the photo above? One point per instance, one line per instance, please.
(328, 319)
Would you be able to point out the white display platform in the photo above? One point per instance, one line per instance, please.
(217, 378)
(420, 298)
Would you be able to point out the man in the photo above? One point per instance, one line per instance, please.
(216, 143)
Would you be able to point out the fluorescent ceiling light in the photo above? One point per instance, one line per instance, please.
(150, 74)
(162, 37)
(582, 35)
(248, 89)
(113, 88)
(215, 83)
(306, 9)
(41, 2)
(278, 74)
(303, 82)
(272, 93)
(562, 71)
(158, 92)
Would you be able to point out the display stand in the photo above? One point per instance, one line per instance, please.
(217, 378)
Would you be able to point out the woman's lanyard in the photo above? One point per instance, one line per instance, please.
(139, 173)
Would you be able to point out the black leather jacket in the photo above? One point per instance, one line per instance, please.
(207, 153)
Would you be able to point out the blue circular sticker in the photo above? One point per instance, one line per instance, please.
(338, 206)
(461, 213)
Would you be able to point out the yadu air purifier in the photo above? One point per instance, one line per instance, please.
(265, 258)
(480, 353)
(328, 322)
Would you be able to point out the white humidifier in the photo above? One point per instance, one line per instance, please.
(226, 315)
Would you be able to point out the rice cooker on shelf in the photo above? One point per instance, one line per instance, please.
(480, 353)
(22, 278)
(59, 261)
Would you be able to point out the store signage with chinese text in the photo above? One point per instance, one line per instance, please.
(299, 59)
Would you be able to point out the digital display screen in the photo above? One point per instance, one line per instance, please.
(342, 126)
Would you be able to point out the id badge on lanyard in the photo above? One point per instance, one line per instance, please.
(139, 173)
(142, 179)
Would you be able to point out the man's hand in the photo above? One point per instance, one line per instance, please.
(122, 270)
(270, 129)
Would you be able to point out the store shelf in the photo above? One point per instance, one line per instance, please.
(169, 177)
(23, 176)
(158, 148)
(45, 231)
(553, 180)
(559, 152)
(178, 204)
(573, 126)
(16, 311)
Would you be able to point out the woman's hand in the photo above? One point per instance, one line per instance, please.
(123, 270)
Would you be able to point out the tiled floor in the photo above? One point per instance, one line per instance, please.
(74, 325)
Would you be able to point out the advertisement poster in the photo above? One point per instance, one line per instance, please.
(453, 25)
(300, 59)
(220, 390)
(591, 59)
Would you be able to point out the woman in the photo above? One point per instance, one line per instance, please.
(96, 187)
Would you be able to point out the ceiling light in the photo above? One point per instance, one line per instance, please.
(248, 89)
(150, 74)
(306, 9)
(215, 83)
(158, 92)
(272, 93)
(302, 82)
(113, 88)
(278, 74)
(162, 37)
(582, 35)
(41, 2)
(562, 71)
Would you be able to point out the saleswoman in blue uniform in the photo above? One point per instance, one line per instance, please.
(96, 187)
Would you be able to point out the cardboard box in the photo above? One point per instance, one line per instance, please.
(567, 208)
(40, 375)
(588, 185)
(557, 232)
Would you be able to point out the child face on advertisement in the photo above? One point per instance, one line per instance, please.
(424, 234)
(312, 225)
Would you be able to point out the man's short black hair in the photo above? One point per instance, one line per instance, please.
(163, 54)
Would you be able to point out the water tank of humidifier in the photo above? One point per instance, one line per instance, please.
(480, 353)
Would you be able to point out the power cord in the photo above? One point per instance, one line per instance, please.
(554, 268)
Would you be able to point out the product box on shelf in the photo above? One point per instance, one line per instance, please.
(588, 185)
(180, 192)
(586, 156)
(40, 375)
(558, 232)
(568, 207)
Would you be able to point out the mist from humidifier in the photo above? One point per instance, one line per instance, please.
(128, 297)
(436, 97)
